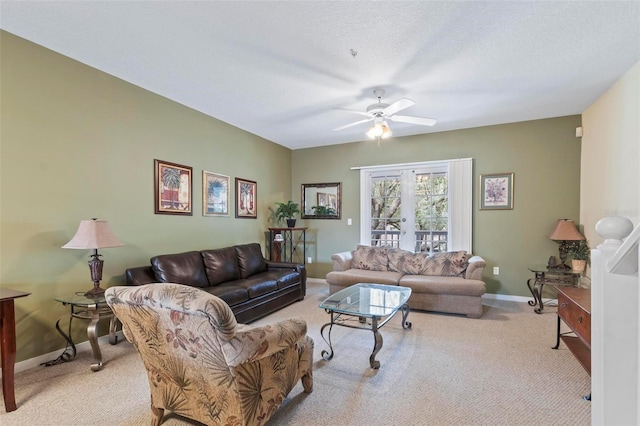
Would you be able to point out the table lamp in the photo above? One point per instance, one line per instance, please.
(94, 234)
(566, 233)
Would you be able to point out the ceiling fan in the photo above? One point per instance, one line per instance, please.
(380, 112)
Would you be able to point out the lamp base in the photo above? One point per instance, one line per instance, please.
(96, 291)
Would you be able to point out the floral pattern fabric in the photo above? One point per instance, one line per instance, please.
(447, 264)
(202, 364)
(370, 258)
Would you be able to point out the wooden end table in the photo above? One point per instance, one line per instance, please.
(8, 346)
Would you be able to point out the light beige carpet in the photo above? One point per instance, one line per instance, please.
(446, 370)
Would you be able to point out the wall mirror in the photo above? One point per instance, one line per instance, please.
(321, 200)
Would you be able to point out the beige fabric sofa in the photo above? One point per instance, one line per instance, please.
(445, 282)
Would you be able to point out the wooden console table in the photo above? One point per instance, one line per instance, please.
(8, 347)
(574, 308)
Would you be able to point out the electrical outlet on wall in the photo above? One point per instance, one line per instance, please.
(309, 259)
(496, 270)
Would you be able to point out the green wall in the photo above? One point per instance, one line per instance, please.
(78, 143)
(544, 155)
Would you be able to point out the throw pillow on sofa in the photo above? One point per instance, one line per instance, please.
(406, 262)
(449, 264)
(370, 258)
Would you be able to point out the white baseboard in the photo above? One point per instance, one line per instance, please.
(81, 347)
(521, 299)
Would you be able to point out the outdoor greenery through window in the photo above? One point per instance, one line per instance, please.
(425, 196)
(432, 212)
(419, 207)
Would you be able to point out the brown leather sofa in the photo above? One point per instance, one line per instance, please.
(252, 286)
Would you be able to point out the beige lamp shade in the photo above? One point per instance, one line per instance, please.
(565, 230)
(93, 234)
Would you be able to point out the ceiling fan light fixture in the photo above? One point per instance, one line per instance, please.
(380, 129)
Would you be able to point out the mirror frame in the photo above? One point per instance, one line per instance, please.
(305, 186)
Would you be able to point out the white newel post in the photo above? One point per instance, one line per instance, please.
(615, 324)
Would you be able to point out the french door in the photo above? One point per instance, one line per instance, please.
(409, 206)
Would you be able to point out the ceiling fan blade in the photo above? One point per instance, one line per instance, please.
(366, 114)
(423, 121)
(398, 106)
(353, 124)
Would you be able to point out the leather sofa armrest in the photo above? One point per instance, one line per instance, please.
(341, 261)
(475, 268)
(282, 265)
(140, 275)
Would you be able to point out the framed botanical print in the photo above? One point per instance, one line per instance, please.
(215, 194)
(172, 188)
(246, 199)
(496, 191)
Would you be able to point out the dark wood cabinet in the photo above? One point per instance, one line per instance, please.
(574, 308)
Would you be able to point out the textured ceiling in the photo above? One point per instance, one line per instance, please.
(278, 69)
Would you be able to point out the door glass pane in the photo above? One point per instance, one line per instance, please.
(385, 210)
(431, 212)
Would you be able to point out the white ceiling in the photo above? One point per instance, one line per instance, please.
(278, 69)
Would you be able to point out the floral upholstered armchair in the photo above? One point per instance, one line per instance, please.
(201, 364)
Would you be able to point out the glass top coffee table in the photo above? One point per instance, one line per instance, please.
(365, 306)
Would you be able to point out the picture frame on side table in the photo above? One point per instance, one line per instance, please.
(246, 199)
(496, 191)
(173, 185)
(215, 194)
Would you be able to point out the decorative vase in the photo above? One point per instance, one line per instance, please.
(291, 223)
(578, 265)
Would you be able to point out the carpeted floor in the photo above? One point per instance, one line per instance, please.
(446, 370)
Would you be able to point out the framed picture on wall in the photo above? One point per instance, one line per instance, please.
(215, 194)
(173, 185)
(246, 199)
(496, 191)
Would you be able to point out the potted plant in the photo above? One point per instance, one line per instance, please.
(579, 253)
(287, 211)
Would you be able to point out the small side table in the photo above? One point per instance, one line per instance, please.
(287, 250)
(8, 345)
(545, 275)
(92, 309)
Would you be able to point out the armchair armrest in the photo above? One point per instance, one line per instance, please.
(251, 343)
(475, 268)
(341, 261)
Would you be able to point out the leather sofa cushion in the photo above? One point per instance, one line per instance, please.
(250, 259)
(231, 294)
(181, 268)
(257, 285)
(284, 278)
(221, 265)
